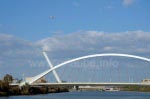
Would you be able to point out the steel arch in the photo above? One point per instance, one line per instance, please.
(85, 57)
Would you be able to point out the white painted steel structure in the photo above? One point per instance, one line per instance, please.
(85, 57)
(85, 84)
(51, 66)
(91, 84)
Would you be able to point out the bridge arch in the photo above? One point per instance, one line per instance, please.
(85, 57)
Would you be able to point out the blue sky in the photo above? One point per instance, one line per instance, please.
(77, 28)
(29, 19)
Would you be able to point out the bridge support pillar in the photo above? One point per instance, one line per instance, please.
(76, 87)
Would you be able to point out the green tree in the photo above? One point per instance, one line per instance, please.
(8, 78)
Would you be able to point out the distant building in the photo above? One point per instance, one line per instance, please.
(146, 81)
(41, 80)
(15, 81)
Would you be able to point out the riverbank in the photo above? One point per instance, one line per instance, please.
(7, 90)
(136, 88)
(28, 90)
(36, 90)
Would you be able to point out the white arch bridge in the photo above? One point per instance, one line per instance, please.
(53, 68)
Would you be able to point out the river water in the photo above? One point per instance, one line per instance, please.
(86, 95)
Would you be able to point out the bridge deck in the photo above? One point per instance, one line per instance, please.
(91, 84)
(87, 84)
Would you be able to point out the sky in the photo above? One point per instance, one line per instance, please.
(68, 29)
(31, 19)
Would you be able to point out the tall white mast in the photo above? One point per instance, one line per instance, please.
(51, 66)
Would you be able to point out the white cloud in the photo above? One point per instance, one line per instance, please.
(127, 42)
(15, 53)
(108, 48)
(5, 36)
(128, 2)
